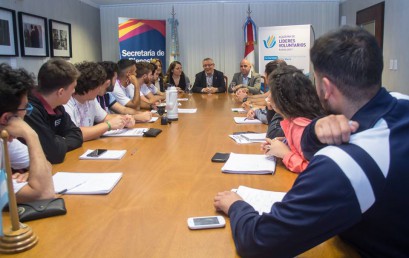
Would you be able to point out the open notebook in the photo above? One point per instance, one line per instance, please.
(261, 200)
(85, 183)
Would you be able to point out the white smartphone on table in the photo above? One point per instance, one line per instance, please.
(206, 222)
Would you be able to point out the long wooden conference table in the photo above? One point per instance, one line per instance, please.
(165, 180)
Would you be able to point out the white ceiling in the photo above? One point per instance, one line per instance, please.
(98, 3)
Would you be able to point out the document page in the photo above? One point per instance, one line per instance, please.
(255, 137)
(261, 200)
(126, 132)
(109, 154)
(244, 120)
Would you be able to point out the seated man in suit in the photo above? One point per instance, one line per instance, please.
(15, 85)
(210, 80)
(246, 79)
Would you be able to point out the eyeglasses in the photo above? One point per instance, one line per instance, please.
(29, 109)
(208, 65)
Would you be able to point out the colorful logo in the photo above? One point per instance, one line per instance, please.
(270, 42)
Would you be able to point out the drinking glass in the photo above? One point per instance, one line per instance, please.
(209, 87)
(189, 88)
(232, 85)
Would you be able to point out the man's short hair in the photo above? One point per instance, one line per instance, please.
(92, 76)
(124, 65)
(352, 59)
(56, 74)
(14, 84)
(110, 68)
(142, 68)
(207, 59)
(151, 67)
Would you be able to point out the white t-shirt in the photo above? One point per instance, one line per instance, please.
(123, 94)
(145, 90)
(85, 114)
(19, 157)
(3, 184)
(153, 89)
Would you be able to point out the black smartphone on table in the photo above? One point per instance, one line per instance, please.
(96, 153)
(220, 157)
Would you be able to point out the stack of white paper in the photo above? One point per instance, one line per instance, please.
(109, 154)
(239, 139)
(126, 132)
(239, 110)
(244, 120)
(254, 137)
(85, 183)
(250, 164)
(261, 200)
(187, 110)
(153, 119)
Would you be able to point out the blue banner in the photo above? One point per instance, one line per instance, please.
(142, 40)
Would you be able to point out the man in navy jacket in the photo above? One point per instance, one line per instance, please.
(359, 189)
(209, 80)
(57, 79)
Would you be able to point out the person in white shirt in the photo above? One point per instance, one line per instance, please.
(126, 88)
(84, 109)
(153, 86)
(107, 100)
(38, 183)
(145, 70)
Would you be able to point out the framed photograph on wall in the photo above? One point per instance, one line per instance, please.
(60, 38)
(8, 33)
(33, 35)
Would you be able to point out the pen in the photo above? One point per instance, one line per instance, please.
(245, 119)
(68, 189)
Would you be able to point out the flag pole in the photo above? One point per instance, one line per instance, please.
(250, 38)
(20, 237)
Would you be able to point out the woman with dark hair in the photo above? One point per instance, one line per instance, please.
(159, 82)
(175, 76)
(293, 97)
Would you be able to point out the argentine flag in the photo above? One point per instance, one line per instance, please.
(3, 187)
(3, 196)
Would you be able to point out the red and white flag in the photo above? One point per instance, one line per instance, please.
(250, 36)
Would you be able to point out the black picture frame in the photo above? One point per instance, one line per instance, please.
(60, 38)
(8, 32)
(33, 32)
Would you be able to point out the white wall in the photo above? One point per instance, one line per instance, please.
(215, 29)
(395, 38)
(85, 29)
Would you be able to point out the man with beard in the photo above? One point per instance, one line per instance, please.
(147, 96)
(359, 189)
(107, 100)
(84, 109)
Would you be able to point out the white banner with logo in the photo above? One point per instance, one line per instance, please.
(289, 43)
